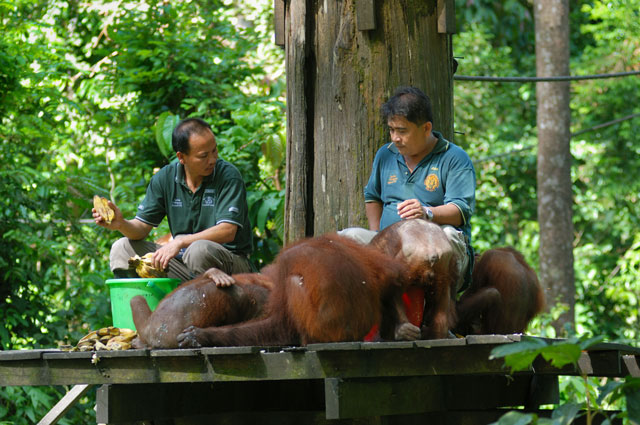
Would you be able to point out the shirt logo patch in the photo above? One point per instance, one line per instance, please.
(207, 201)
(234, 210)
(392, 179)
(431, 183)
(209, 191)
(177, 203)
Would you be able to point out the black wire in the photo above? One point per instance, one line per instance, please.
(539, 79)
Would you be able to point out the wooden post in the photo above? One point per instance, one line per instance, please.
(278, 22)
(337, 79)
(299, 214)
(446, 16)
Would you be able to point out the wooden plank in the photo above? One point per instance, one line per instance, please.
(24, 354)
(69, 399)
(366, 15)
(335, 346)
(357, 398)
(492, 339)
(278, 22)
(129, 403)
(468, 356)
(446, 16)
(429, 343)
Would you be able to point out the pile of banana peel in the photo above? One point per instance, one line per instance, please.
(109, 338)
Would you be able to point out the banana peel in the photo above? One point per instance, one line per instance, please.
(102, 207)
(108, 338)
(144, 268)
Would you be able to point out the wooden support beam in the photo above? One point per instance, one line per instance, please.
(358, 398)
(631, 364)
(59, 410)
(366, 15)
(446, 16)
(278, 22)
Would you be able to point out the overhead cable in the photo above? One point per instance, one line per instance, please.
(541, 79)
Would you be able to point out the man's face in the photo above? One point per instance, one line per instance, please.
(202, 156)
(410, 139)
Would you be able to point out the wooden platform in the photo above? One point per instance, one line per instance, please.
(446, 381)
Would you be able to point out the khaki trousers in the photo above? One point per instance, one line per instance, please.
(196, 259)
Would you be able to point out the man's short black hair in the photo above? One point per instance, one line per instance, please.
(410, 103)
(184, 130)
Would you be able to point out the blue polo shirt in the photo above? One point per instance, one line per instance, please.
(445, 176)
(220, 198)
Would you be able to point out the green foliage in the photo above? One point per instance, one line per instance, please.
(89, 93)
(598, 398)
(499, 132)
(27, 405)
(520, 355)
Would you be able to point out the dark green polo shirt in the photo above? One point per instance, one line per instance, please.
(445, 176)
(221, 198)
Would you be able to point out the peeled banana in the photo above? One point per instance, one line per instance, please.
(144, 268)
(102, 207)
(109, 338)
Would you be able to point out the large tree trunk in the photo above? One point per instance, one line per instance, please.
(338, 76)
(555, 198)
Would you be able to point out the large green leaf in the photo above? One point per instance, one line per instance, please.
(164, 129)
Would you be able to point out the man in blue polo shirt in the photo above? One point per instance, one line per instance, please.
(204, 200)
(419, 175)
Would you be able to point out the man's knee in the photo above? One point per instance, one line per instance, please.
(120, 253)
(124, 248)
(202, 255)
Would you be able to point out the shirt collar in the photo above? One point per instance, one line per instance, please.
(442, 145)
(180, 176)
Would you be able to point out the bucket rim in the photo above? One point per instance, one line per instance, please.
(142, 280)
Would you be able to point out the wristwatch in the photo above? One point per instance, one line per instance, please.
(428, 212)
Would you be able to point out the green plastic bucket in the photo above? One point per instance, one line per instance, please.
(122, 290)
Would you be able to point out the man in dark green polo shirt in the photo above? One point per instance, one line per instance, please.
(204, 200)
(419, 175)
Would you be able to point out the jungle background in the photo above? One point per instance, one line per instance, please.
(89, 92)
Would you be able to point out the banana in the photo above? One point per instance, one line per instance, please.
(128, 333)
(118, 345)
(102, 207)
(144, 268)
(91, 336)
(122, 338)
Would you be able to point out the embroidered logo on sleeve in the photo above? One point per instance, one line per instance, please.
(234, 210)
(177, 202)
(392, 179)
(431, 183)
